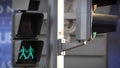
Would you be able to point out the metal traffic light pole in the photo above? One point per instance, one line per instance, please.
(52, 37)
(55, 31)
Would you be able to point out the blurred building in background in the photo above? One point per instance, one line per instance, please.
(5, 33)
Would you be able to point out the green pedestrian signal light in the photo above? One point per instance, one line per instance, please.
(24, 52)
(30, 52)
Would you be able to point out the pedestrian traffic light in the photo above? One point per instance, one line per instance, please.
(27, 46)
(26, 28)
(30, 52)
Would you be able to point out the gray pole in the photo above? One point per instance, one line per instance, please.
(52, 35)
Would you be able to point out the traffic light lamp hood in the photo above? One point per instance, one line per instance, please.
(103, 23)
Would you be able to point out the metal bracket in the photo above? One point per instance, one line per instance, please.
(69, 46)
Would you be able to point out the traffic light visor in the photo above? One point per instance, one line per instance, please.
(29, 25)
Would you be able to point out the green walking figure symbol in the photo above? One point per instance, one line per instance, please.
(31, 51)
(23, 51)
